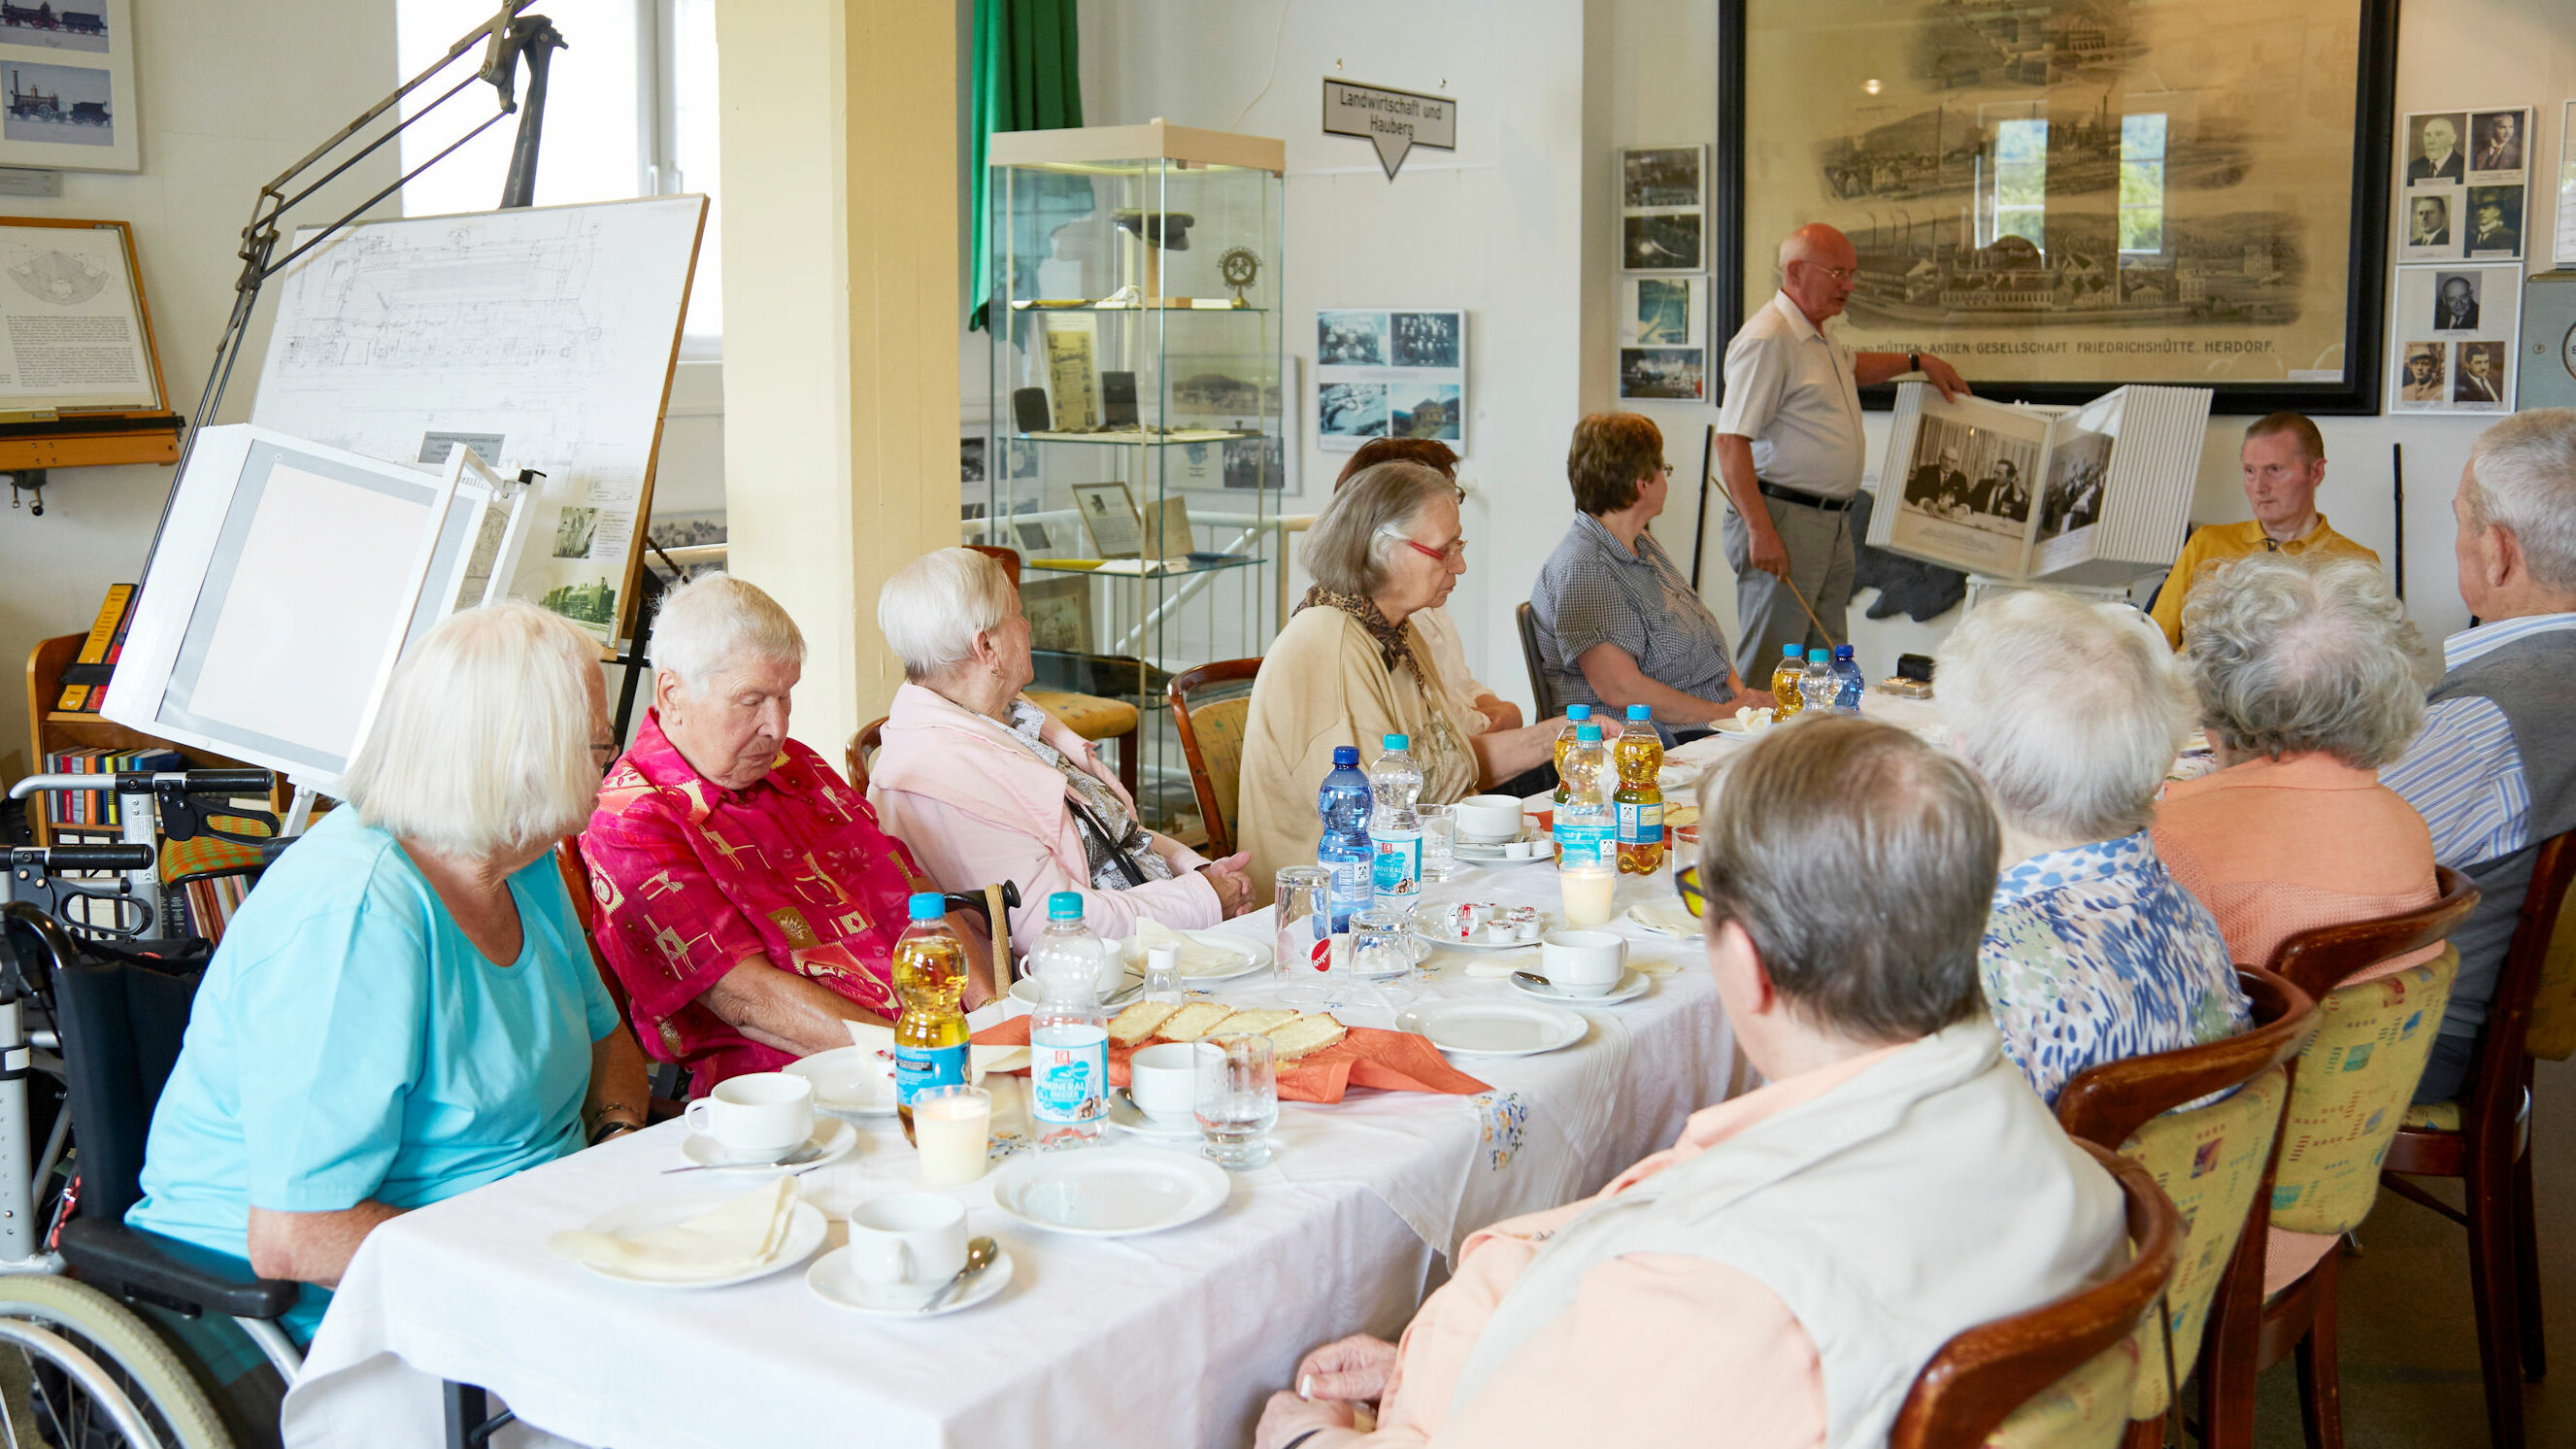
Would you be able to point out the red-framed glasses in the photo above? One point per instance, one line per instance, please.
(1451, 554)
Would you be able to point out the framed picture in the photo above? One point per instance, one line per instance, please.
(1059, 612)
(75, 335)
(2452, 334)
(2566, 247)
(1392, 373)
(1109, 511)
(2179, 193)
(67, 87)
(1663, 209)
(1663, 312)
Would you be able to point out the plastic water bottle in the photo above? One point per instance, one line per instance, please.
(930, 976)
(1818, 687)
(1587, 823)
(1847, 670)
(1068, 1033)
(1640, 799)
(1575, 715)
(1395, 832)
(1786, 677)
(1343, 802)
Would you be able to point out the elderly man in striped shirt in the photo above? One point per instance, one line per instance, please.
(2494, 771)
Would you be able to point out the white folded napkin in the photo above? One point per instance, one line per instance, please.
(1669, 916)
(1198, 958)
(731, 1238)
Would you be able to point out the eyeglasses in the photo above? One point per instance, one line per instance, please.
(1451, 554)
(1839, 274)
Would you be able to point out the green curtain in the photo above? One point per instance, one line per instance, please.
(1027, 78)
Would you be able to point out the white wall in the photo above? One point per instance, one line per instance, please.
(231, 94)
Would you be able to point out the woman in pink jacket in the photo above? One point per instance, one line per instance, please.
(984, 786)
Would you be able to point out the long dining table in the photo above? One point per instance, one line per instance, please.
(1175, 1338)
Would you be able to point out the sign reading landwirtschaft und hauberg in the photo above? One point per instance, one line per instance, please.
(1394, 121)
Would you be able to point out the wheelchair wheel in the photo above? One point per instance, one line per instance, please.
(79, 1370)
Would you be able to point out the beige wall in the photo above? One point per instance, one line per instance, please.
(840, 276)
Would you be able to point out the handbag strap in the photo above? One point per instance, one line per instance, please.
(1083, 815)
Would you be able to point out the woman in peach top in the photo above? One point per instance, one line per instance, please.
(1729, 1291)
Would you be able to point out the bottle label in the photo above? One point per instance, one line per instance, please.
(1396, 874)
(1580, 845)
(1069, 1080)
(916, 1068)
(1353, 881)
(1641, 822)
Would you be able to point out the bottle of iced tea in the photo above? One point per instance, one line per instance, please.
(1640, 801)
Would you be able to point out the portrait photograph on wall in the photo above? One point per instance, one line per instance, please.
(2065, 195)
(2451, 348)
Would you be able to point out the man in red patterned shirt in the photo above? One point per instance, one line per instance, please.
(746, 897)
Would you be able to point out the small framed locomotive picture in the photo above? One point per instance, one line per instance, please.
(67, 86)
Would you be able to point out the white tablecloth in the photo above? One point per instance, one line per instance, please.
(1174, 1339)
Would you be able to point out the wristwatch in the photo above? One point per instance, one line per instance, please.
(1914, 362)
(610, 1128)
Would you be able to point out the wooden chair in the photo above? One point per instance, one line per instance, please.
(1542, 691)
(2346, 1098)
(669, 1081)
(1093, 717)
(2485, 1138)
(2212, 1160)
(1212, 740)
(863, 750)
(2061, 1374)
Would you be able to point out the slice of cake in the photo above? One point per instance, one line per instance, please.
(1194, 1021)
(1253, 1021)
(1300, 1035)
(1132, 1026)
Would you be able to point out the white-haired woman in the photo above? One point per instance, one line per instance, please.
(405, 1008)
(2072, 713)
(2310, 679)
(985, 786)
(748, 900)
(1347, 670)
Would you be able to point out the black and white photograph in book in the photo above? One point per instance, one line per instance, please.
(2072, 497)
(1423, 339)
(1660, 176)
(1661, 242)
(1350, 339)
(1669, 374)
(1974, 476)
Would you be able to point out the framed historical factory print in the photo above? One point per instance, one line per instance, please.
(2062, 196)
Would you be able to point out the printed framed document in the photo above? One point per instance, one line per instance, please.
(1109, 511)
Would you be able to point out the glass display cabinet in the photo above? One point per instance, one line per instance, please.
(1135, 458)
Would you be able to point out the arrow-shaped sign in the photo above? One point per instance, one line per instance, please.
(1395, 121)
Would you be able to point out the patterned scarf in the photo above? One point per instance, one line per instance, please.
(1133, 844)
(1394, 646)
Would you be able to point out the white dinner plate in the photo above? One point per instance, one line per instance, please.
(848, 1081)
(1669, 917)
(804, 1234)
(831, 1280)
(1245, 956)
(1427, 928)
(834, 1136)
(1026, 990)
(1631, 986)
(1496, 855)
(1109, 1192)
(1126, 1116)
(1493, 1028)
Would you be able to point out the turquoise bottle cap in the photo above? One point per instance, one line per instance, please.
(1064, 906)
(928, 905)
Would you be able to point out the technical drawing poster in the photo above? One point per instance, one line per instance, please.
(71, 327)
(552, 329)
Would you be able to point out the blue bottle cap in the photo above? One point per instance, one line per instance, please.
(1791, 651)
(1842, 651)
(1345, 755)
(1578, 712)
(1818, 656)
(928, 905)
(1064, 906)
(1639, 712)
(1397, 742)
(1589, 734)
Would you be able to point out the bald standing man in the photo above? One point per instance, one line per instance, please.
(1790, 451)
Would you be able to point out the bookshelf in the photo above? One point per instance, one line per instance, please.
(50, 730)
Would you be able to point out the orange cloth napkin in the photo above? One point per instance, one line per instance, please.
(1395, 1061)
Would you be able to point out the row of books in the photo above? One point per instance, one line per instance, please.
(96, 809)
(85, 681)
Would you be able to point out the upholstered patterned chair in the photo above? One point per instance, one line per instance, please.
(2061, 1375)
(1212, 740)
(2209, 1157)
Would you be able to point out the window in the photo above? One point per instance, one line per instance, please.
(630, 111)
(2020, 196)
(2142, 184)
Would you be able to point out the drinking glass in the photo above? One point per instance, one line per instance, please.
(954, 1127)
(1238, 1100)
(1305, 916)
(1380, 965)
(1439, 838)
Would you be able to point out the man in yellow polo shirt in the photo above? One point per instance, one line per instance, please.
(2285, 460)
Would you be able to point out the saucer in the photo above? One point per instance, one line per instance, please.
(846, 1081)
(836, 1136)
(831, 1280)
(1126, 1116)
(1631, 985)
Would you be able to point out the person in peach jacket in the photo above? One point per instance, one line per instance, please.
(984, 786)
(1781, 1274)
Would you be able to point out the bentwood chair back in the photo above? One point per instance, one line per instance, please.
(666, 1081)
(2211, 1157)
(2347, 1096)
(2484, 1138)
(1212, 740)
(2060, 1375)
(863, 751)
(1093, 717)
(1542, 690)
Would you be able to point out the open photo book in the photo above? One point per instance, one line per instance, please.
(2096, 494)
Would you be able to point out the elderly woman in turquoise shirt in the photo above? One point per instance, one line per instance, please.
(405, 1008)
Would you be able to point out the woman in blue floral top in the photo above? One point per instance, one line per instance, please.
(2072, 713)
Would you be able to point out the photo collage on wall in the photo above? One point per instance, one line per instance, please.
(1663, 260)
(1391, 373)
(2463, 217)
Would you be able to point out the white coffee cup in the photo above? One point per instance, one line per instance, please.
(907, 1240)
(1488, 818)
(1583, 963)
(1164, 1081)
(756, 1112)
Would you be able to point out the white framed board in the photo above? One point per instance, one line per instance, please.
(542, 337)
